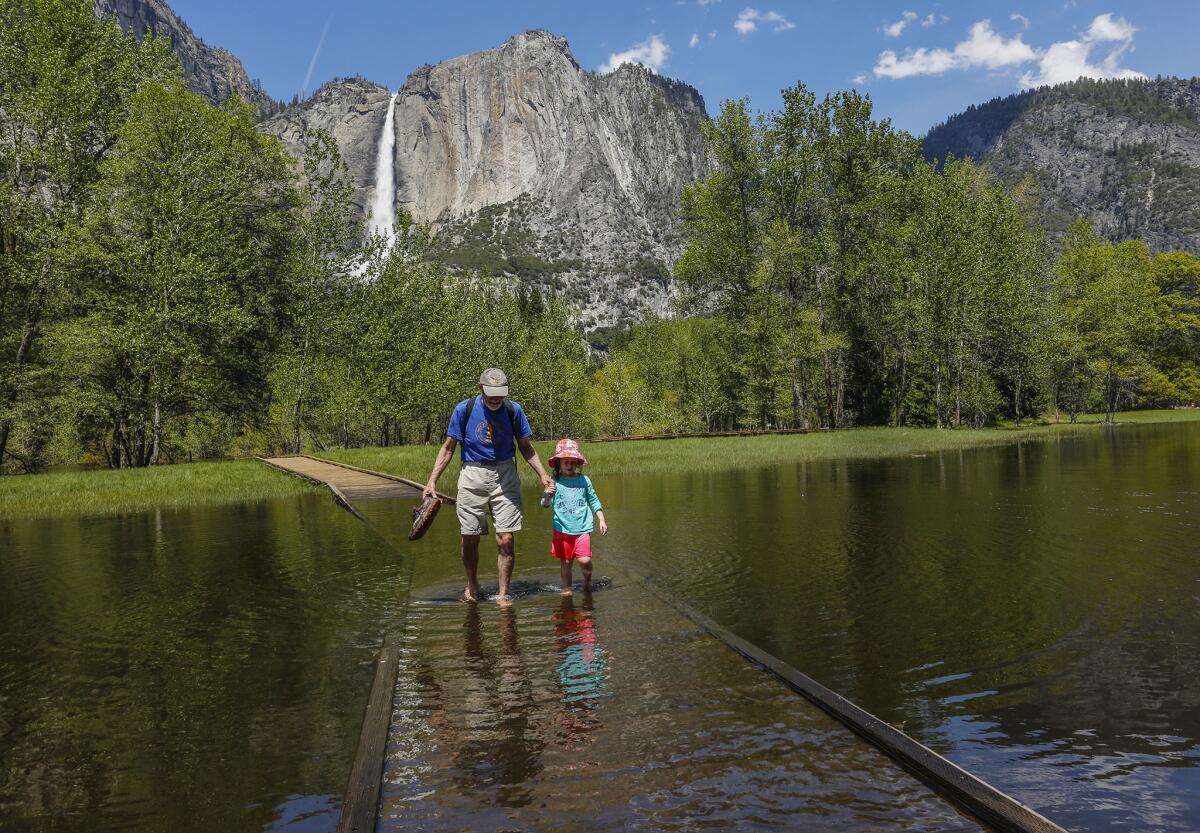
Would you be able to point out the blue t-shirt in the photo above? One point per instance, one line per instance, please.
(489, 434)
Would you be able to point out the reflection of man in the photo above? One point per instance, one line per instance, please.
(501, 749)
(490, 429)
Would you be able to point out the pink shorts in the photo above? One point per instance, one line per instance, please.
(567, 547)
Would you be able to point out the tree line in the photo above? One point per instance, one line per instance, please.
(834, 277)
(173, 286)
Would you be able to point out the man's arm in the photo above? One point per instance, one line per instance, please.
(445, 454)
(531, 456)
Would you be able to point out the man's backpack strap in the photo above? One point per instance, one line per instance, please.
(466, 417)
(512, 420)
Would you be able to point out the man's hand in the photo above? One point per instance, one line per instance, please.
(548, 483)
(430, 490)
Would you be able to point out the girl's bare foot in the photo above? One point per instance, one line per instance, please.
(567, 591)
(469, 596)
(503, 601)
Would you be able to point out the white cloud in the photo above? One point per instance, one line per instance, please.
(1107, 28)
(859, 79)
(1072, 59)
(650, 53)
(748, 20)
(712, 35)
(982, 48)
(932, 19)
(694, 42)
(703, 3)
(893, 30)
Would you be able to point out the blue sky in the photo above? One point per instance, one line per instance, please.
(919, 61)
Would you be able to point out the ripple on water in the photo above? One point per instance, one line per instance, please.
(612, 712)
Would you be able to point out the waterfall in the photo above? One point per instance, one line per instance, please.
(383, 200)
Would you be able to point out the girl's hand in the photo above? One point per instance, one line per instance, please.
(551, 488)
(603, 526)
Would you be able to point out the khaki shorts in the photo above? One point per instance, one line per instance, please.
(489, 488)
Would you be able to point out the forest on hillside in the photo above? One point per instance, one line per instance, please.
(174, 287)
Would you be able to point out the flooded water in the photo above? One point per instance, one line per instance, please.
(187, 671)
(1031, 611)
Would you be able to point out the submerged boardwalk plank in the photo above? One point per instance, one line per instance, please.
(352, 483)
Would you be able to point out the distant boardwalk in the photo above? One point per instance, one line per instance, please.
(349, 484)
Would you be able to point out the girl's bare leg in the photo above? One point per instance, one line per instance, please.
(585, 567)
(564, 572)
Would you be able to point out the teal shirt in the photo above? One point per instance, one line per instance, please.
(575, 504)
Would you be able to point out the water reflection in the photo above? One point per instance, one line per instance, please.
(611, 712)
(582, 671)
(1031, 610)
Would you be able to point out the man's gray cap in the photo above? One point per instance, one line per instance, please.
(494, 382)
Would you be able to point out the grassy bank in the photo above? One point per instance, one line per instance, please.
(106, 492)
(197, 484)
(724, 453)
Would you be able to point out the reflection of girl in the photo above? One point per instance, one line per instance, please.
(582, 669)
(574, 500)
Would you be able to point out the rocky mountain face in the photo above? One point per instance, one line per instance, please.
(210, 72)
(530, 167)
(1124, 155)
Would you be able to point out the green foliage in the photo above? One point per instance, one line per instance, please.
(175, 314)
(67, 82)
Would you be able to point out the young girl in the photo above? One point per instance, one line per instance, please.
(574, 500)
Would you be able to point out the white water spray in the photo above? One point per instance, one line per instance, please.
(383, 200)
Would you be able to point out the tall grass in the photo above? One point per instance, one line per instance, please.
(724, 453)
(196, 484)
(107, 492)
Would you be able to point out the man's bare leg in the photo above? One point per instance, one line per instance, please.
(470, 560)
(585, 567)
(564, 574)
(504, 560)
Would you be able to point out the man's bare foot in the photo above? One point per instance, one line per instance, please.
(503, 601)
(470, 596)
(567, 591)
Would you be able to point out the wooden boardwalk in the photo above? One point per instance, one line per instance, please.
(349, 484)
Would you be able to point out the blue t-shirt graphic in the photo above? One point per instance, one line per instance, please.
(489, 434)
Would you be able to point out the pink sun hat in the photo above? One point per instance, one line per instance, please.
(567, 450)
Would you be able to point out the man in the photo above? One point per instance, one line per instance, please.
(490, 430)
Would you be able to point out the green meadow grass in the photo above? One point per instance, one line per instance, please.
(724, 453)
(104, 492)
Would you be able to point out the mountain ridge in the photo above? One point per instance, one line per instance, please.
(1122, 154)
(530, 167)
(211, 72)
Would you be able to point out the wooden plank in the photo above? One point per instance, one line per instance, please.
(995, 808)
(361, 807)
(418, 486)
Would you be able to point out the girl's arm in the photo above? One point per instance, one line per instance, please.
(593, 500)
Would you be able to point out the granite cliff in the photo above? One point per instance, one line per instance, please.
(1124, 155)
(208, 71)
(530, 167)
